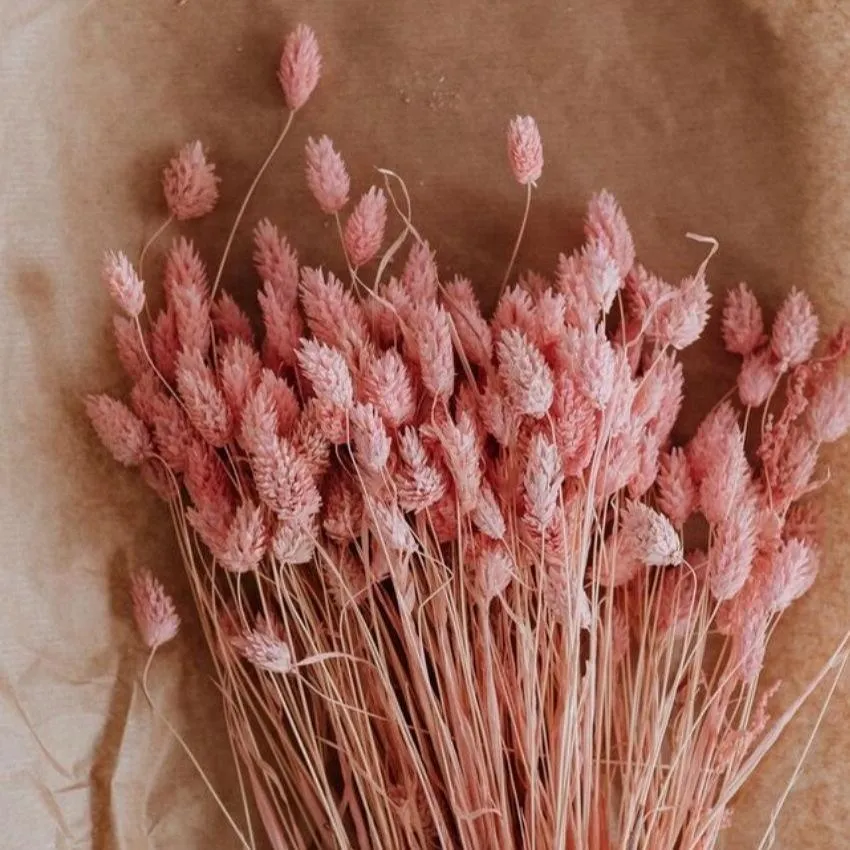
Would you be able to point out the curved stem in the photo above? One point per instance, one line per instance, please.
(188, 751)
(247, 198)
(518, 240)
(157, 233)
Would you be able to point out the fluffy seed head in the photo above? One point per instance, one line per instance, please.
(327, 176)
(190, 184)
(757, 378)
(792, 572)
(124, 285)
(300, 66)
(276, 261)
(385, 382)
(264, 649)
(606, 223)
(525, 375)
(828, 413)
(119, 429)
(743, 325)
(364, 230)
(677, 492)
(130, 346)
(327, 372)
(525, 150)
(541, 484)
(153, 610)
(795, 330)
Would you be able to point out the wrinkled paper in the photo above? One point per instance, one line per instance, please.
(725, 118)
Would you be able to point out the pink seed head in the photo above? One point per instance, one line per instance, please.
(525, 150)
(189, 183)
(124, 285)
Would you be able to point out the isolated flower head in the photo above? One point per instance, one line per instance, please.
(124, 285)
(153, 610)
(300, 66)
(327, 176)
(190, 184)
(525, 150)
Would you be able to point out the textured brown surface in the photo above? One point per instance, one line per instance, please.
(727, 118)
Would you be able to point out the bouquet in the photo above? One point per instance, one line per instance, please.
(461, 584)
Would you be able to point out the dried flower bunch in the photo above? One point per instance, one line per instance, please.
(460, 586)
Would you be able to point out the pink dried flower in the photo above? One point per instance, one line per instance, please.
(247, 539)
(265, 651)
(648, 536)
(158, 477)
(731, 556)
(153, 610)
(757, 378)
(462, 453)
(677, 492)
(183, 267)
(795, 330)
(828, 413)
(327, 176)
(385, 382)
(525, 150)
(191, 305)
(239, 370)
(681, 319)
(647, 467)
(300, 66)
(419, 277)
(391, 527)
(259, 425)
(364, 230)
(190, 184)
(606, 223)
(487, 515)
(343, 514)
(497, 417)
(310, 442)
(548, 330)
(208, 484)
(327, 372)
(743, 325)
(284, 481)
(371, 441)
(803, 521)
(515, 311)
(283, 328)
(294, 541)
(173, 434)
(726, 475)
(284, 400)
(526, 377)
(710, 438)
(429, 341)
(792, 572)
(124, 285)
(592, 364)
(602, 276)
(420, 483)
(130, 345)
(542, 482)
(119, 429)
(165, 345)
(204, 402)
(677, 601)
(492, 567)
(473, 332)
(229, 320)
(276, 261)
(575, 421)
(790, 470)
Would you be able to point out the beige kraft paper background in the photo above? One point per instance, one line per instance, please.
(726, 118)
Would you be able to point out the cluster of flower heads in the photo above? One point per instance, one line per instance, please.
(375, 419)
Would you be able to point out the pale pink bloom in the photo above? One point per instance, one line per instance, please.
(621, 461)
(487, 515)
(130, 345)
(283, 326)
(420, 483)
(606, 223)
(680, 320)
(294, 541)
(284, 400)
(259, 420)
(183, 267)
(276, 261)
(124, 285)
(247, 539)
(300, 66)
(390, 527)
(541, 482)
(326, 370)
(565, 597)
(343, 511)
(726, 475)
(165, 345)
(153, 609)
(310, 442)
(190, 184)
(743, 325)
(284, 481)
(623, 411)
(828, 413)
(370, 438)
(429, 343)
(229, 320)
(462, 453)
(677, 602)
(157, 476)
(757, 378)
(525, 375)
(203, 400)
(191, 305)
(795, 330)
(602, 277)
(264, 649)
(208, 483)
(419, 277)
(575, 421)
(473, 332)
(496, 415)
(749, 645)
(385, 382)
(592, 364)
(514, 311)
(172, 432)
(364, 229)
(327, 176)
(710, 437)
(525, 150)
(239, 371)
(549, 315)
(492, 569)
(792, 572)
(677, 492)
(334, 316)
(119, 429)
(210, 525)
(570, 277)
(649, 536)
(651, 389)
(733, 550)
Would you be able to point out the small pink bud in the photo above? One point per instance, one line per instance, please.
(300, 66)
(525, 150)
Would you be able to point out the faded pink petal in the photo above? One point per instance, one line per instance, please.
(605, 223)
(153, 610)
(276, 261)
(124, 285)
(119, 429)
(364, 230)
(190, 184)
(828, 413)
(525, 150)
(525, 375)
(300, 66)
(743, 325)
(386, 383)
(369, 436)
(327, 176)
(795, 330)
(203, 400)
(648, 536)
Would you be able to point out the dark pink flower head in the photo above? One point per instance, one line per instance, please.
(276, 261)
(130, 346)
(119, 429)
(385, 382)
(153, 610)
(743, 325)
(327, 372)
(183, 268)
(795, 330)
(300, 66)
(124, 285)
(190, 184)
(204, 401)
(230, 321)
(364, 230)
(429, 343)
(327, 176)
(420, 276)
(525, 150)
